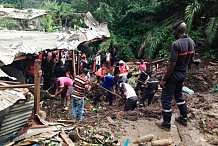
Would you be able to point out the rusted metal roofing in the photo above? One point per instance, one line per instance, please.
(9, 97)
(14, 119)
(17, 43)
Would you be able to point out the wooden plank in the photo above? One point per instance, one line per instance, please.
(157, 61)
(78, 62)
(109, 91)
(94, 65)
(37, 78)
(19, 58)
(67, 121)
(10, 82)
(94, 40)
(16, 86)
(66, 139)
(73, 63)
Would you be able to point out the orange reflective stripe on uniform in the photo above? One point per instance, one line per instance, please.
(185, 53)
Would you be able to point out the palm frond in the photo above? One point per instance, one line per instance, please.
(154, 37)
(211, 29)
(190, 11)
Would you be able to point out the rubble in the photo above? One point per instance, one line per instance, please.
(104, 124)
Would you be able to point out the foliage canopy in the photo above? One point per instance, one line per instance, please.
(139, 28)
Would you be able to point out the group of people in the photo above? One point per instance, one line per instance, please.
(117, 85)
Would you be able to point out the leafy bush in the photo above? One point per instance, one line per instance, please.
(210, 55)
(9, 23)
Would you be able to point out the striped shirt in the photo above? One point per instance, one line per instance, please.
(79, 86)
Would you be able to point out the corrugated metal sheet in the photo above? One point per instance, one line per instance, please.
(9, 97)
(15, 119)
(16, 43)
(3, 74)
(6, 56)
(21, 14)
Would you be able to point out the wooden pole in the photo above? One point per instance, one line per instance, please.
(94, 64)
(78, 62)
(37, 78)
(73, 63)
(109, 91)
(59, 59)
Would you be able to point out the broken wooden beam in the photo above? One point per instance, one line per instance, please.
(109, 91)
(37, 79)
(66, 139)
(157, 61)
(10, 82)
(17, 86)
(67, 121)
(73, 63)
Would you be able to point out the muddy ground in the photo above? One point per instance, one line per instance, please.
(202, 129)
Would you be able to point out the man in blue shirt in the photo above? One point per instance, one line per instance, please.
(108, 83)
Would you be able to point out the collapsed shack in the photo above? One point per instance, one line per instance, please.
(18, 49)
(20, 46)
(15, 108)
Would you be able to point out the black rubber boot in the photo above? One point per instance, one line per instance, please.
(163, 125)
(182, 120)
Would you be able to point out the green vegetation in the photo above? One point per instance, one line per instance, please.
(139, 28)
(8, 23)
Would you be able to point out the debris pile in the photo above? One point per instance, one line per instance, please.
(60, 134)
(103, 124)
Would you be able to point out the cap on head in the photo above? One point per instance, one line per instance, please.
(177, 24)
(121, 62)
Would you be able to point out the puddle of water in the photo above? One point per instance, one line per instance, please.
(135, 129)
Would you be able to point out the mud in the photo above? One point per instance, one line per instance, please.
(203, 108)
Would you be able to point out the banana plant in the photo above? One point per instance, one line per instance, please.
(47, 23)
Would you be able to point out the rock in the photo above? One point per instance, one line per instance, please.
(42, 114)
(144, 139)
(162, 142)
(73, 135)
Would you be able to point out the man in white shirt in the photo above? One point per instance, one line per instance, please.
(108, 59)
(98, 61)
(130, 95)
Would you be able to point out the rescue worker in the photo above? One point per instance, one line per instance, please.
(123, 68)
(100, 73)
(150, 89)
(181, 57)
(142, 78)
